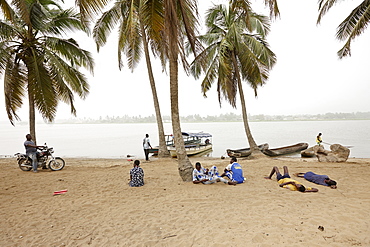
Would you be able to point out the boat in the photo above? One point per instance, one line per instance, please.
(286, 150)
(244, 152)
(195, 143)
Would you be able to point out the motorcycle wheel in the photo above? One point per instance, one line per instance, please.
(57, 164)
(25, 164)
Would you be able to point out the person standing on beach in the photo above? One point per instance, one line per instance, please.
(286, 182)
(146, 145)
(31, 151)
(136, 175)
(319, 139)
(234, 171)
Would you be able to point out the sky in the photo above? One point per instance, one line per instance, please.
(308, 77)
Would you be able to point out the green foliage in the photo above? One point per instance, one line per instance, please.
(38, 62)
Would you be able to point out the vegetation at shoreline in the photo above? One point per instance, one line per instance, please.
(229, 117)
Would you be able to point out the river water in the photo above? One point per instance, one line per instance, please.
(120, 140)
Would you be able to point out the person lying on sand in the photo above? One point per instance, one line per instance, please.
(317, 179)
(234, 171)
(208, 176)
(286, 182)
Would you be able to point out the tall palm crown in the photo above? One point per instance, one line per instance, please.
(235, 48)
(36, 60)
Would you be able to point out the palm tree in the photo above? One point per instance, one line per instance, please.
(235, 50)
(132, 40)
(353, 26)
(38, 63)
(180, 22)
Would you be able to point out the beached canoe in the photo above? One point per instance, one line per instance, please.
(285, 150)
(244, 152)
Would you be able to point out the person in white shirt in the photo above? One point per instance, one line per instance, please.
(146, 145)
(208, 176)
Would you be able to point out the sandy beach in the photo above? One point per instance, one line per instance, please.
(100, 209)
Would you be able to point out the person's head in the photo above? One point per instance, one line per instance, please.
(331, 183)
(320, 134)
(136, 163)
(146, 135)
(300, 187)
(28, 137)
(233, 159)
(198, 166)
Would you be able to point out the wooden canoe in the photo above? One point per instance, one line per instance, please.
(286, 150)
(244, 152)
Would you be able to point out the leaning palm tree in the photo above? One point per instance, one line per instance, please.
(180, 23)
(235, 50)
(130, 15)
(38, 63)
(353, 26)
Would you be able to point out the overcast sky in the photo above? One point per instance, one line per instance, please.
(308, 77)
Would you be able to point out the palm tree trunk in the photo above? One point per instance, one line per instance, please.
(162, 151)
(31, 115)
(252, 144)
(184, 165)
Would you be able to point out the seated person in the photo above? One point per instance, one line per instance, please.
(136, 175)
(234, 171)
(317, 179)
(207, 176)
(286, 182)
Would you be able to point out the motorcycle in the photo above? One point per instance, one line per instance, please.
(45, 159)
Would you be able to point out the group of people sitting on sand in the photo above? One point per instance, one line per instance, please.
(233, 174)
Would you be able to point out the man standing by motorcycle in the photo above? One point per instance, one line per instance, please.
(31, 151)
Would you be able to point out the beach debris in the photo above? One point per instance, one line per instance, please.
(321, 228)
(59, 192)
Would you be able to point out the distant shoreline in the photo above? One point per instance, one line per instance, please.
(192, 120)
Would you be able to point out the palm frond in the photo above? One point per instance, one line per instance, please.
(69, 49)
(324, 7)
(89, 8)
(106, 23)
(274, 9)
(14, 88)
(6, 10)
(356, 23)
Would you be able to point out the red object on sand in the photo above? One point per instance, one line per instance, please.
(60, 192)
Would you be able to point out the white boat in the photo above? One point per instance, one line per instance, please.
(195, 143)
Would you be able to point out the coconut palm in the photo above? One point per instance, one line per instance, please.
(235, 50)
(129, 14)
(38, 63)
(180, 23)
(353, 26)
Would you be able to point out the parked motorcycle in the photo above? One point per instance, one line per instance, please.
(45, 159)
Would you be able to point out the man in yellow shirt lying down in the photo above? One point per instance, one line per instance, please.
(286, 182)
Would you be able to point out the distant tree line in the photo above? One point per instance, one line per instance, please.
(229, 117)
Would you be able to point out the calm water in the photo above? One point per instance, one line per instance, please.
(119, 140)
